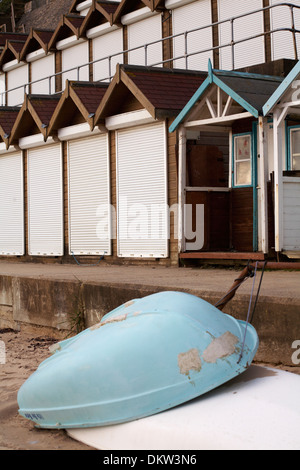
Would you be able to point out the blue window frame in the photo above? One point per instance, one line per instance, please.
(242, 158)
(293, 152)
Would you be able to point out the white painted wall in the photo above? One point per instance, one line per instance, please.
(291, 213)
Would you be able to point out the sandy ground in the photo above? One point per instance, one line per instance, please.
(24, 352)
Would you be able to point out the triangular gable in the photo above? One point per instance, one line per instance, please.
(11, 36)
(99, 13)
(248, 91)
(8, 116)
(128, 6)
(285, 90)
(69, 25)
(162, 92)
(37, 39)
(12, 50)
(34, 116)
(78, 97)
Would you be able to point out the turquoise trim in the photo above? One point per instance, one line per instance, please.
(233, 167)
(212, 78)
(254, 185)
(183, 113)
(287, 146)
(235, 96)
(288, 158)
(255, 76)
(253, 136)
(279, 92)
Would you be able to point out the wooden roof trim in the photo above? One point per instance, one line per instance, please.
(29, 107)
(64, 22)
(3, 133)
(70, 92)
(9, 48)
(4, 137)
(81, 107)
(72, 8)
(96, 7)
(59, 106)
(123, 4)
(121, 76)
(33, 36)
(18, 121)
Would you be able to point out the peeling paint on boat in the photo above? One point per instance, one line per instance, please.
(220, 347)
(188, 361)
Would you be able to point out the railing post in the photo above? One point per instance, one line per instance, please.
(185, 50)
(109, 68)
(294, 33)
(232, 43)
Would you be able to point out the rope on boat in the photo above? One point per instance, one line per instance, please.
(248, 314)
(80, 264)
(246, 273)
(250, 318)
(249, 271)
(258, 290)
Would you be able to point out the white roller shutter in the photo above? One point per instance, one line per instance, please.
(142, 191)
(12, 204)
(89, 196)
(45, 201)
(186, 18)
(282, 41)
(77, 54)
(41, 69)
(17, 78)
(246, 53)
(103, 46)
(141, 33)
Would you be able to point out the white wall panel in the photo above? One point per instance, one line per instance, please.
(40, 69)
(103, 46)
(291, 213)
(142, 191)
(74, 56)
(11, 204)
(16, 78)
(89, 196)
(246, 53)
(188, 17)
(283, 46)
(45, 201)
(143, 32)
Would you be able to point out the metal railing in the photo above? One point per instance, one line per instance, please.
(110, 60)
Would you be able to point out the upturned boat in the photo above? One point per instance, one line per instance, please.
(146, 356)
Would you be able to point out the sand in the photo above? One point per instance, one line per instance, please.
(23, 353)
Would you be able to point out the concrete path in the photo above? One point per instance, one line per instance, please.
(277, 284)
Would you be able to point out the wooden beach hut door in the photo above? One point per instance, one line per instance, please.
(224, 185)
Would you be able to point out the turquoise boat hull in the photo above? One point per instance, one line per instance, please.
(144, 357)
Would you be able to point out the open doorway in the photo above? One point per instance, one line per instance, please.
(228, 207)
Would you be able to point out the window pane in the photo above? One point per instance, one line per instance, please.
(296, 163)
(296, 142)
(295, 157)
(243, 173)
(243, 147)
